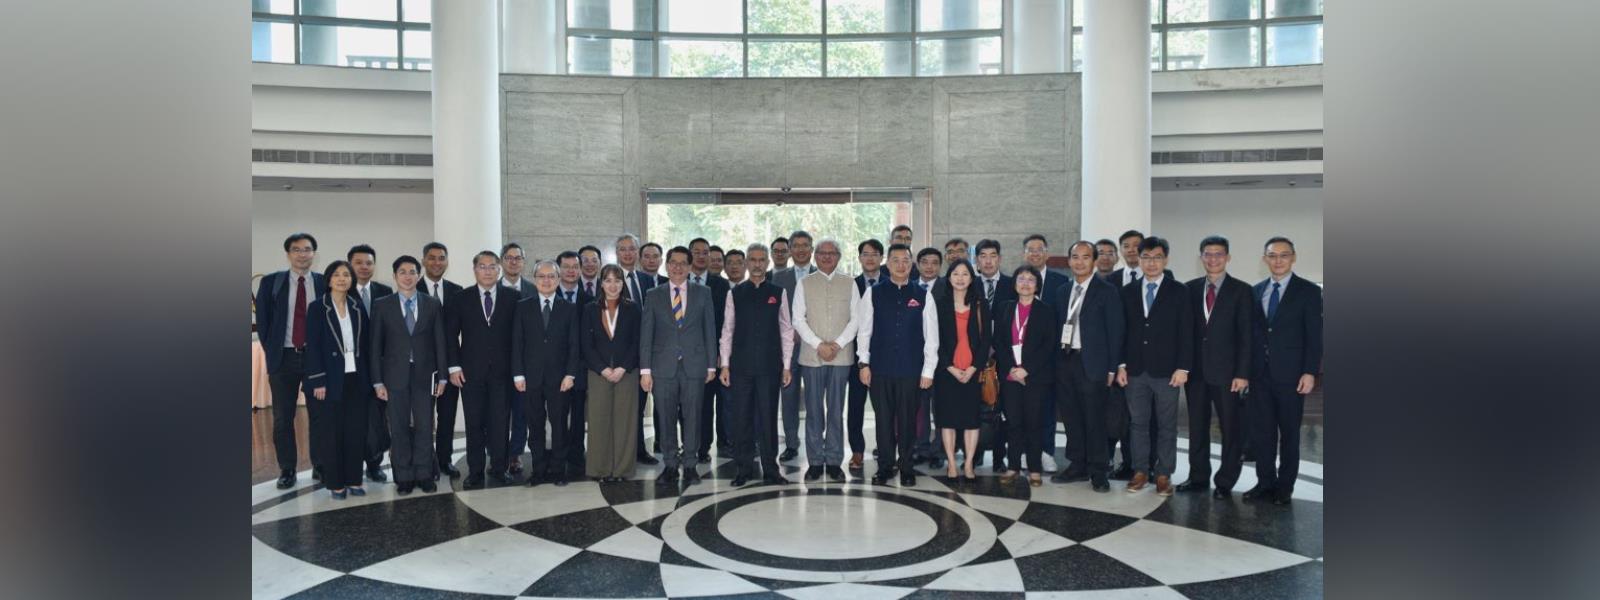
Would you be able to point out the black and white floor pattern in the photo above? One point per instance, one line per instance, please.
(637, 539)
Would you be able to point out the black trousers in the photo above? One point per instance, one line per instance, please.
(486, 400)
(378, 439)
(1202, 397)
(541, 404)
(344, 439)
(712, 425)
(856, 411)
(1081, 408)
(750, 412)
(285, 385)
(1275, 410)
(1025, 410)
(895, 401)
(444, 440)
(410, 421)
(577, 427)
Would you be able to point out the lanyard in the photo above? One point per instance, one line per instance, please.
(611, 319)
(1018, 323)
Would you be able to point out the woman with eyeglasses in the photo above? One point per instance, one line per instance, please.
(1023, 345)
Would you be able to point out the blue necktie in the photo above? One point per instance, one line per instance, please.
(411, 315)
(1149, 296)
(1272, 302)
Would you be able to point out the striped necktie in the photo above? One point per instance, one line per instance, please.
(677, 306)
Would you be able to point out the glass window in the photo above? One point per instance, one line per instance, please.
(1200, 11)
(622, 15)
(416, 11)
(272, 42)
(952, 15)
(377, 10)
(1294, 44)
(610, 56)
(1155, 50)
(1213, 48)
(870, 58)
(702, 16)
(785, 59)
(1293, 8)
(349, 46)
(277, 7)
(418, 50)
(1077, 52)
(785, 16)
(958, 56)
(701, 58)
(868, 16)
(1077, 12)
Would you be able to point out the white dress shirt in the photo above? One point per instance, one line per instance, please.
(435, 289)
(347, 330)
(311, 294)
(930, 333)
(683, 293)
(1145, 288)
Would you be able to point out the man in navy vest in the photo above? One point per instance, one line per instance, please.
(897, 320)
(756, 346)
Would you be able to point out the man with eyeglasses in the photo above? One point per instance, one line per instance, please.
(1286, 358)
(1036, 253)
(824, 320)
(677, 357)
(1105, 261)
(780, 254)
(512, 261)
(1221, 305)
(791, 397)
(482, 317)
(638, 281)
(281, 300)
(1158, 353)
(733, 267)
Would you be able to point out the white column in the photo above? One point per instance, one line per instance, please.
(1116, 117)
(533, 36)
(1039, 33)
(466, 129)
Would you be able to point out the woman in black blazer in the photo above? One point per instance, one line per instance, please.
(1025, 335)
(608, 334)
(964, 341)
(338, 374)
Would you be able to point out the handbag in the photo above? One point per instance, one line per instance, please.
(989, 379)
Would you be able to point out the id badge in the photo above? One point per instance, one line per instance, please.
(1016, 352)
(1066, 334)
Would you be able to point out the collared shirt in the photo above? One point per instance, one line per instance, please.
(543, 301)
(288, 310)
(928, 283)
(494, 294)
(991, 285)
(515, 284)
(590, 286)
(634, 289)
(364, 293)
(785, 330)
(1075, 312)
(700, 277)
(1130, 275)
(570, 295)
(1144, 289)
(435, 289)
(682, 290)
(804, 329)
(930, 333)
(804, 270)
(1283, 288)
(1044, 273)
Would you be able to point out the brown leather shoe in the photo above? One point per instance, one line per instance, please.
(1138, 482)
(1163, 485)
(855, 462)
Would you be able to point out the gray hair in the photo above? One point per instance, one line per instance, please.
(829, 241)
(626, 236)
(758, 246)
(545, 263)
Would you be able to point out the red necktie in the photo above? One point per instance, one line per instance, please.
(299, 335)
(1211, 297)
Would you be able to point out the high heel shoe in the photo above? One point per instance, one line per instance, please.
(1034, 480)
(970, 474)
(952, 474)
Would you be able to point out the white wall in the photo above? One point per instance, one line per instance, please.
(392, 223)
(1247, 218)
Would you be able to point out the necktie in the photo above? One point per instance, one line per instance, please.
(700, 280)
(411, 315)
(589, 287)
(1149, 296)
(924, 285)
(988, 290)
(570, 298)
(436, 293)
(872, 282)
(299, 335)
(633, 286)
(546, 313)
(488, 306)
(677, 306)
(1077, 292)
(1272, 301)
(1211, 299)
(366, 299)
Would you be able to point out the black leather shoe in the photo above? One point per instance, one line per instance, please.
(375, 473)
(775, 479)
(516, 466)
(428, 486)
(451, 471)
(741, 480)
(835, 473)
(316, 473)
(788, 455)
(1281, 498)
(404, 488)
(882, 476)
(646, 459)
(936, 462)
(1258, 493)
(999, 465)
(534, 479)
(1100, 484)
(667, 476)
(691, 476)
(501, 478)
(908, 478)
(1221, 494)
(1069, 475)
(1122, 473)
(814, 472)
(286, 480)
(561, 480)
(473, 482)
(1193, 485)
(705, 457)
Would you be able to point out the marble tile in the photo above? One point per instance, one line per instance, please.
(1079, 568)
(1176, 555)
(1295, 528)
(690, 581)
(1073, 523)
(930, 594)
(1299, 581)
(308, 500)
(361, 588)
(578, 529)
(1022, 539)
(810, 526)
(835, 591)
(500, 561)
(274, 574)
(630, 543)
(644, 510)
(349, 539)
(1146, 593)
(519, 504)
(595, 575)
(999, 576)
(1081, 495)
(1009, 508)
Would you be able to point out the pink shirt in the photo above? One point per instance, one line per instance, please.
(785, 330)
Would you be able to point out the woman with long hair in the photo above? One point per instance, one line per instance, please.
(964, 341)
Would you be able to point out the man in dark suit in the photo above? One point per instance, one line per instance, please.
(650, 261)
(363, 260)
(711, 426)
(1090, 345)
(930, 261)
(1157, 358)
(544, 358)
(435, 261)
(482, 316)
(790, 396)
(1118, 423)
(734, 267)
(1129, 244)
(1105, 261)
(870, 253)
(568, 266)
(1286, 358)
(512, 261)
(677, 357)
(408, 363)
(1221, 306)
(998, 288)
(281, 301)
(635, 283)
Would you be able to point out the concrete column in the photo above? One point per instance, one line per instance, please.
(897, 57)
(1039, 34)
(1229, 47)
(1116, 118)
(533, 37)
(466, 129)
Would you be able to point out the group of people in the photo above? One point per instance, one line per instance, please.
(727, 341)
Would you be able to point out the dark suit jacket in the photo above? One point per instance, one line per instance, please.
(1100, 322)
(980, 332)
(273, 311)
(1047, 289)
(719, 297)
(601, 352)
(545, 355)
(450, 289)
(378, 290)
(661, 340)
(1222, 346)
(326, 347)
(1290, 344)
(524, 286)
(1005, 290)
(1039, 341)
(485, 348)
(1164, 341)
(644, 280)
(583, 298)
(394, 350)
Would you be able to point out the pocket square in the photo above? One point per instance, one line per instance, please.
(913, 303)
(772, 299)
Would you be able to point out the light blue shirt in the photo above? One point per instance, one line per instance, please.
(1266, 294)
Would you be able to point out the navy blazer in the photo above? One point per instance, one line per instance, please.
(450, 288)
(1100, 323)
(1290, 344)
(621, 349)
(1039, 341)
(1222, 345)
(545, 355)
(326, 346)
(485, 347)
(1163, 342)
(643, 280)
(272, 308)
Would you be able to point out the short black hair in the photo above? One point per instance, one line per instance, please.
(1036, 236)
(871, 243)
(717, 249)
(801, 233)
(1130, 233)
(295, 237)
(893, 247)
(509, 246)
(1214, 240)
(566, 254)
(589, 248)
(930, 250)
(360, 249)
(898, 228)
(1275, 239)
(327, 274)
(1153, 242)
(407, 258)
(733, 252)
(435, 246)
(699, 240)
(1027, 268)
(489, 253)
(955, 240)
(649, 244)
(987, 244)
(781, 239)
(1105, 242)
(687, 255)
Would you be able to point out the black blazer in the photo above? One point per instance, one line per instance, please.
(1222, 346)
(980, 332)
(394, 351)
(1163, 342)
(273, 311)
(542, 355)
(1005, 289)
(1100, 321)
(622, 350)
(644, 280)
(485, 348)
(1047, 289)
(450, 289)
(326, 347)
(719, 297)
(583, 298)
(1039, 340)
(1289, 345)
(861, 281)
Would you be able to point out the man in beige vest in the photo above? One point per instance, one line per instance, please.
(824, 318)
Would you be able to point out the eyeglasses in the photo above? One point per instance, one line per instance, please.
(1106, 253)
(871, 254)
(545, 276)
(1213, 255)
(1152, 257)
(1284, 256)
(827, 253)
(301, 251)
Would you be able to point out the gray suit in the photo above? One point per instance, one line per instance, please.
(790, 397)
(408, 365)
(678, 359)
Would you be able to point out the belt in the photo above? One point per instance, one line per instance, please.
(296, 350)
